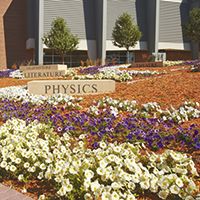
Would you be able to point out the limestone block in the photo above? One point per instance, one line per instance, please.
(70, 87)
(43, 67)
(43, 73)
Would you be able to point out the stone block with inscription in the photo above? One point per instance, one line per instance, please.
(43, 67)
(43, 71)
(71, 87)
(43, 74)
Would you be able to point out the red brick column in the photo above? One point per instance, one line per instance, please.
(13, 33)
(3, 7)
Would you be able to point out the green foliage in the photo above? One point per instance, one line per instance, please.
(125, 33)
(60, 38)
(192, 28)
(151, 58)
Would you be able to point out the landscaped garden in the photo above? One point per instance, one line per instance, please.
(140, 142)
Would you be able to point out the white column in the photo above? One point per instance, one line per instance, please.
(104, 31)
(157, 28)
(40, 32)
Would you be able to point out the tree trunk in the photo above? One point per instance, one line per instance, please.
(127, 56)
(195, 50)
(63, 59)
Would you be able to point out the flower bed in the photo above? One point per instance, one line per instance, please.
(173, 63)
(117, 171)
(112, 72)
(105, 119)
(92, 72)
(109, 149)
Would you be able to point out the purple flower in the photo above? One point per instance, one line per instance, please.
(95, 145)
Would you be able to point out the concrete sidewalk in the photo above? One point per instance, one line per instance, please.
(7, 193)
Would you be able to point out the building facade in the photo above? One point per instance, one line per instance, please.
(13, 33)
(24, 22)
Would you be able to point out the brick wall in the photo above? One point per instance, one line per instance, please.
(141, 56)
(178, 55)
(13, 26)
(3, 7)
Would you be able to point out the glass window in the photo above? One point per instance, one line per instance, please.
(71, 59)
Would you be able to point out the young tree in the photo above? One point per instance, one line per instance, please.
(60, 38)
(192, 28)
(125, 33)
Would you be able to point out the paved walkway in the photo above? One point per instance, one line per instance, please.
(7, 193)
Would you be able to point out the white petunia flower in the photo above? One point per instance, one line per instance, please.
(89, 174)
(189, 198)
(100, 171)
(86, 184)
(114, 196)
(145, 185)
(18, 160)
(179, 182)
(21, 177)
(174, 189)
(102, 145)
(103, 163)
(131, 197)
(95, 186)
(3, 164)
(42, 197)
(68, 188)
(62, 191)
(26, 165)
(88, 196)
(42, 166)
(40, 176)
(163, 194)
(105, 196)
(164, 183)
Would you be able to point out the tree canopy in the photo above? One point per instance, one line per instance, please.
(125, 33)
(192, 28)
(60, 38)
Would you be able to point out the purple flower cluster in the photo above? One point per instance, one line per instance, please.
(5, 73)
(189, 137)
(93, 69)
(27, 111)
(90, 70)
(195, 65)
(155, 133)
(192, 62)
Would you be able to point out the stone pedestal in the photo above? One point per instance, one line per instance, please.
(43, 71)
(71, 87)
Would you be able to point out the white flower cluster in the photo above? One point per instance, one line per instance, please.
(172, 63)
(124, 105)
(195, 68)
(70, 72)
(145, 73)
(20, 93)
(113, 74)
(187, 111)
(16, 74)
(112, 171)
(122, 66)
